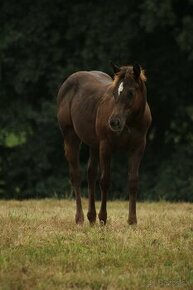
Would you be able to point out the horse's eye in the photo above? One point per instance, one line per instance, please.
(130, 93)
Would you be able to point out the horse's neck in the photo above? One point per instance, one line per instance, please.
(136, 115)
(139, 104)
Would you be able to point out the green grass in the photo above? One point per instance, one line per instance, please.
(42, 248)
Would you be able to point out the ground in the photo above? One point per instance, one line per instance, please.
(42, 248)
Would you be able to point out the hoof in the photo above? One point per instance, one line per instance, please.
(91, 217)
(79, 219)
(132, 221)
(102, 218)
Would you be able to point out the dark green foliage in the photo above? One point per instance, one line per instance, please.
(42, 42)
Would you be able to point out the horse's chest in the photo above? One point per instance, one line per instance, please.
(125, 140)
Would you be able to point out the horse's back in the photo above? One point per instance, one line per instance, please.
(84, 81)
(102, 77)
(95, 76)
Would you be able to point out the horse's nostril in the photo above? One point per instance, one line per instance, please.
(112, 123)
(115, 123)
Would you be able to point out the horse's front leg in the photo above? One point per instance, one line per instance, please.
(105, 159)
(134, 163)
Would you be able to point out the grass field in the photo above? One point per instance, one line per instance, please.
(42, 248)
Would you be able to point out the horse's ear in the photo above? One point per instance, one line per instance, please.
(115, 68)
(136, 70)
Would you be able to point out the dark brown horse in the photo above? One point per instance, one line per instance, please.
(107, 115)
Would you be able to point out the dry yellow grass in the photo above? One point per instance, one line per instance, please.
(42, 248)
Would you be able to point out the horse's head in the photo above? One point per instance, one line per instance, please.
(129, 92)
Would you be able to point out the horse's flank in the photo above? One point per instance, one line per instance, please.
(79, 100)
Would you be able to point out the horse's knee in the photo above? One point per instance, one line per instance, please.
(71, 157)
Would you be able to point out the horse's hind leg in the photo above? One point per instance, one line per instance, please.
(92, 175)
(72, 149)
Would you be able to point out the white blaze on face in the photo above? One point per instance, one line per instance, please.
(120, 88)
